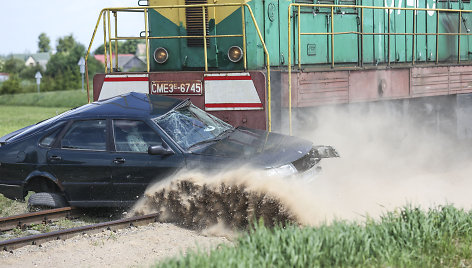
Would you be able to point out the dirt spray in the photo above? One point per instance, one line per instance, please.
(387, 161)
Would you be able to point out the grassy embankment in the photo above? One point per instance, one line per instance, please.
(409, 237)
(20, 110)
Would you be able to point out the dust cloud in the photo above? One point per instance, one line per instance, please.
(388, 160)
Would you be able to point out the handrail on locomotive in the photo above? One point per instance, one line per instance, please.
(293, 10)
(362, 33)
(144, 9)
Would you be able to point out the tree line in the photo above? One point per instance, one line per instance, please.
(62, 71)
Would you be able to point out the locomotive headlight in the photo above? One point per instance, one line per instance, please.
(161, 55)
(235, 53)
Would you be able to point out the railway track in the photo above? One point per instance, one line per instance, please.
(46, 216)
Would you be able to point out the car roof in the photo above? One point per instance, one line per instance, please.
(131, 104)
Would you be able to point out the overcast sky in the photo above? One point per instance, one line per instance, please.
(21, 22)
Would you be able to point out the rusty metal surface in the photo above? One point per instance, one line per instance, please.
(38, 239)
(44, 216)
(98, 80)
(315, 88)
(430, 81)
(460, 79)
(447, 80)
(372, 85)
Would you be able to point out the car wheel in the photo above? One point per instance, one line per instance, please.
(46, 200)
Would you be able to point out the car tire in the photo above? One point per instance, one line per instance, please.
(46, 200)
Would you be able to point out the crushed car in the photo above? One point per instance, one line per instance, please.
(105, 154)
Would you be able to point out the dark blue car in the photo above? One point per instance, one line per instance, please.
(106, 153)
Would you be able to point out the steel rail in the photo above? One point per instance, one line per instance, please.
(44, 216)
(9, 245)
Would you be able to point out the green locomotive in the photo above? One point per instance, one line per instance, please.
(366, 38)
(298, 54)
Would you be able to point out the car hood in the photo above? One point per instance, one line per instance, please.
(258, 147)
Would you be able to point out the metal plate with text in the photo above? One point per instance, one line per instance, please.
(176, 87)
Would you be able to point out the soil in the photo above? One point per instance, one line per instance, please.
(198, 201)
(136, 247)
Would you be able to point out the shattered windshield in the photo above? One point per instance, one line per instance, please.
(190, 126)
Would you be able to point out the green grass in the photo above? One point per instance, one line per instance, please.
(10, 207)
(67, 98)
(15, 117)
(20, 110)
(410, 237)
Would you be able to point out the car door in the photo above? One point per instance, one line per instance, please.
(81, 162)
(134, 169)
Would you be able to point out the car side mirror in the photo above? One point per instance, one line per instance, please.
(159, 150)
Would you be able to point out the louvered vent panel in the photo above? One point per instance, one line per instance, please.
(194, 17)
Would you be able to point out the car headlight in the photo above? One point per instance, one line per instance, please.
(285, 170)
(161, 55)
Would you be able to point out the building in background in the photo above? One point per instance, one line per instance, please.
(126, 62)
(33, 59)
(141, 52)
(3, 77)
(38, 59)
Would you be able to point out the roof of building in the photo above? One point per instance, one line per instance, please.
(42, 56)
(22, 57)
(122, 58)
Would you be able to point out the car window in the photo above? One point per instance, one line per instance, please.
(188, 125)
(51, 137)
(86, 135)
(134, 136)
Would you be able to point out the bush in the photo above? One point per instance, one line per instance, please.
(11, 86)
